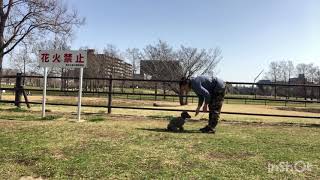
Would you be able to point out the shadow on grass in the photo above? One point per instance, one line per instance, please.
(29, 117)
(15, 109)
(255, 123)
(166, 131)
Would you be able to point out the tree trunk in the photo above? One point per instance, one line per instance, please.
(1, 60)
(3, 20)
(183, 100)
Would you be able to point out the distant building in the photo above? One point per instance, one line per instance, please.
(298, 80)
(102, 65)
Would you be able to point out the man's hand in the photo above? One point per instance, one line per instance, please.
(205, 108)
(197, 110)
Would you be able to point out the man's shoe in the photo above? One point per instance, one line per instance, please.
(207, 129)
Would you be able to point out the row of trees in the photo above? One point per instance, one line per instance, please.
(283, 71)
(161, 55)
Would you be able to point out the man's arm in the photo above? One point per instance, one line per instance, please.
(203, 95)
(200, 102)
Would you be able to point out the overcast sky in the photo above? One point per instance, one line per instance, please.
(250, 33)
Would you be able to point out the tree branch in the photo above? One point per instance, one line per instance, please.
(20, 39)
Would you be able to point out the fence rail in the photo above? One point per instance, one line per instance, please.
(110, 93)
(165, 81)
(167, 95)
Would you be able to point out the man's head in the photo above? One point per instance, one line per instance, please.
(185, 115)
(184, 85)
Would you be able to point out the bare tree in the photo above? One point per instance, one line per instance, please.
(290, 69)
(312, 75)
(169, 64)
(274, 73)
(22, 18)
(285, 70)
(159, 51)
(194, 61)
(312, 72)
(161, 61)
(283, 66)
(134, 56)
(318, 76)
(302, 68)
(21, 60)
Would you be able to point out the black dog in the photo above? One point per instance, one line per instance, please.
(177, 123)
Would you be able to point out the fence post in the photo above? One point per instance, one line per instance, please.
(18, 90)
(155, 91)
(275, 91)
(318, 93)
(110, 95)
(305, 90)
(164, 90)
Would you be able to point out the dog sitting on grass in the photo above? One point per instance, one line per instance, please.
(177, 123)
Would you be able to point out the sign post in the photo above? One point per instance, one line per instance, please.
(80, 93)
(44, 96)
(62, 59)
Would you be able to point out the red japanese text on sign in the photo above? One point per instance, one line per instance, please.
(56, 58)
(80, 58)
(63, 58)
(68, 58)
(45, 57)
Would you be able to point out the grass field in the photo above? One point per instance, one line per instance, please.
(133, 145)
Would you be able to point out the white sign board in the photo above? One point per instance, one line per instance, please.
(63, 59)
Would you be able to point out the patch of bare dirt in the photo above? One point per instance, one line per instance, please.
(30, 178)
(310, 110)
(27, 161)
(254, 123)
(58, 154)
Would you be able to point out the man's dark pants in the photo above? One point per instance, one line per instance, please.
(215, 107)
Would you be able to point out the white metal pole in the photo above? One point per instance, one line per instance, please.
(44, 93)
(80, 93)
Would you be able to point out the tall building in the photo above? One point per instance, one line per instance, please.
(102, 65)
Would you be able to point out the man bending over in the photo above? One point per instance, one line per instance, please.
(211, 92)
